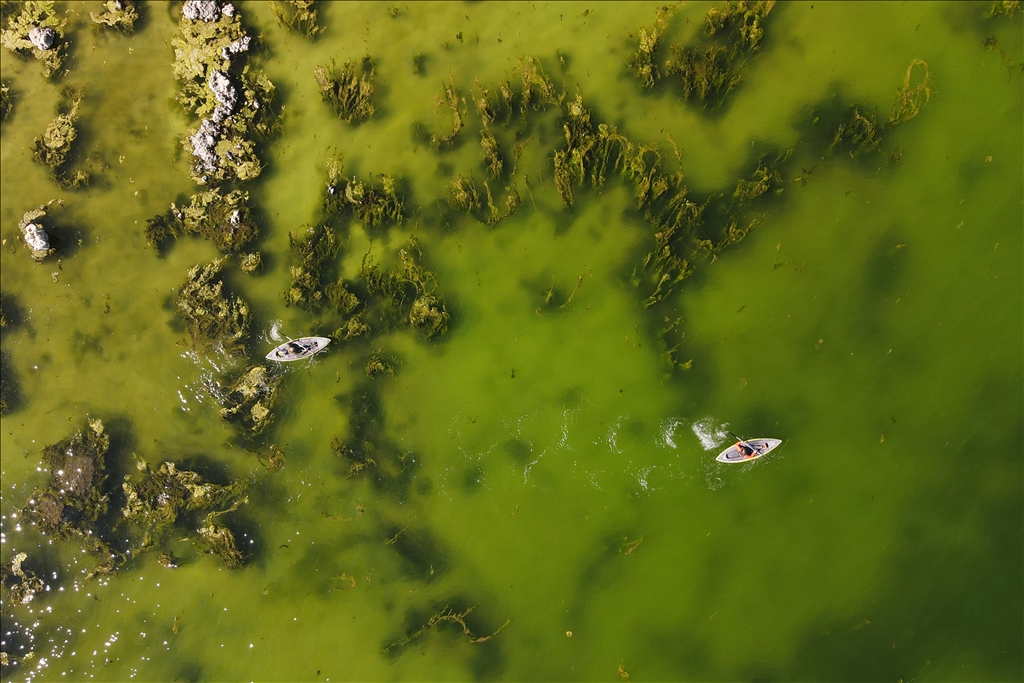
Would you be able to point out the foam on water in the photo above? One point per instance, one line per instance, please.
(710, 432)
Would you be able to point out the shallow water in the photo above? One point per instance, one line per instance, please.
(560, 478)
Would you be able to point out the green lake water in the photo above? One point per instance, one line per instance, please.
(560, 475)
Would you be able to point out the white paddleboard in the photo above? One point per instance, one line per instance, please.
(761, 447)
(297, 349)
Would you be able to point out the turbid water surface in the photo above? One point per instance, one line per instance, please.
(558, 471)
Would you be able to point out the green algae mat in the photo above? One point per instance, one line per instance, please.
(559, 249)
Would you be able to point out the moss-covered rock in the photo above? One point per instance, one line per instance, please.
(73, 500)
(33, 231)
(249, 400)
(53, 148)
(36, 31)
(234, 103)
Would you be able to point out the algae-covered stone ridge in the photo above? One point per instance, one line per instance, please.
(34, 29)
(234, 103)
(74, 505)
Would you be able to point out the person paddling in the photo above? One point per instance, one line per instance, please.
(745, 448)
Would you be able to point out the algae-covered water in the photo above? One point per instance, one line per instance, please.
(557, 467)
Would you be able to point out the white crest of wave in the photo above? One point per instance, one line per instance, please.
(668, 432)
(710, 433)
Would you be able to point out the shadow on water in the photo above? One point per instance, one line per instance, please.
(607, 566)
(948, 597)
(189, 672)
(67, 236)
(368, 451)
(11, 397)
(487, 660)
(422, 554)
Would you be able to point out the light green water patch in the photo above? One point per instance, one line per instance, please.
(542, 464)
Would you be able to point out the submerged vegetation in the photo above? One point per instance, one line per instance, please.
(21, 583)
(316, 248)
(406, 291)
(393, 290)
(224, 219)
(75, 502)
(53, 149)
(708, 71)
(37, 31)
(452, 100)
(118, 14)
(249, 399)
(348, 89)
(212, 318)
(910, 99)
(859, 131)
(375, 205)
(297, 15)
(171, 498)
(447, 614)
(6, 102)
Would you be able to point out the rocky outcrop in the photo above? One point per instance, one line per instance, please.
(34, 233)
(42, 38)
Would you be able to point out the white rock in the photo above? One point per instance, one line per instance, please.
(202, 10)
(37, 240)
(42, 37)
(240, 45)
(204, 144)
(225, 92)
